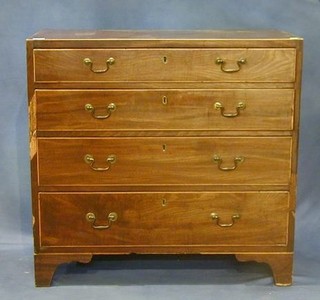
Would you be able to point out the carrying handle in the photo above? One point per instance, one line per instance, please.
(89, 159)
(88, 62)
(91, 217)
(239, 107)
(218, 160)
(222, 63)
(216, 217)
(110, 109)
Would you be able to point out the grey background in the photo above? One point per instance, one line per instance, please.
(154, 278)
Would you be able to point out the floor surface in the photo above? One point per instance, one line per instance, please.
(154, 277)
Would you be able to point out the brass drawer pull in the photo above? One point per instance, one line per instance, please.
(91, 217)
(218, 160)
(89, 159)
(88, 62)
(110, 109)
(215, 216)
(219, 106)
(221, 62)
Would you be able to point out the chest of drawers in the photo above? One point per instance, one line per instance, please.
(164, 142)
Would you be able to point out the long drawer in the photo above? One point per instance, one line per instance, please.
(218, 65)
(144, 219)
(239, 109)
(164, 161)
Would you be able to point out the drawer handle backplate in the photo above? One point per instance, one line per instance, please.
(234, 217)
(110, 109)
(89, 159)
(219, 106)
(91, 217)
(221, 62)
(88, 62)
(218, 160)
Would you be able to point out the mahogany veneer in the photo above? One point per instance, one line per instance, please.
(164, 142)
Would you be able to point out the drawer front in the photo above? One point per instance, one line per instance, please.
(261, 65)
(253, 109)
(165, 160)
(144, 219)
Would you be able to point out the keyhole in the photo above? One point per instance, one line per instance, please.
(165, 59)
(164, 147)
(164, 202)
(164, 100)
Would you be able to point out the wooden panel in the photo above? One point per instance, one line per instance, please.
(166, 133)
(162, 85)
(164, 185)
(164, 161)
(160, 35)
(145, 219)
(163, 38)
(64, 110)
(163, 188)
(263, 65)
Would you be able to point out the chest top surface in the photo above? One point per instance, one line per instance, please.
(170, 38)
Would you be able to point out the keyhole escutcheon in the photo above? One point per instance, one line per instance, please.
(164, 100)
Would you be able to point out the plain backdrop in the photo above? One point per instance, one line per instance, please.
(20, 18)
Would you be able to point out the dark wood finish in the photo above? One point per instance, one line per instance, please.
(162, 85)
(263, 65)
(166, 133)
(163, 188)
(164, 161)
(140, 110)
(46, 264)
(280, 264)
(33, 143)
(163, 38)
(164, 151)
(190, 36)
(153, 219)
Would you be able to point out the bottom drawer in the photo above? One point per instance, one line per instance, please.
(151, 219)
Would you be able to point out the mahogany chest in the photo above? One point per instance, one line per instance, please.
(164, 142)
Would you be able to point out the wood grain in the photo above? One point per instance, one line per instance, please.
(46, 264)
(280, 263)
(164, 151)
(163, 38)
(140, 110)
(185, 161)
(152, 219)
(263, 65)
(163, 85)
(190, 36)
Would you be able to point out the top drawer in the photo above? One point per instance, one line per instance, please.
(180, 65)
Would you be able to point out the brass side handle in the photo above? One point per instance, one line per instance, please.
(218, 160)
(88, 62)
(89, 159)
(111, 217)
(216, 217)
(110, 109)
(222, 63)
(239, 107)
